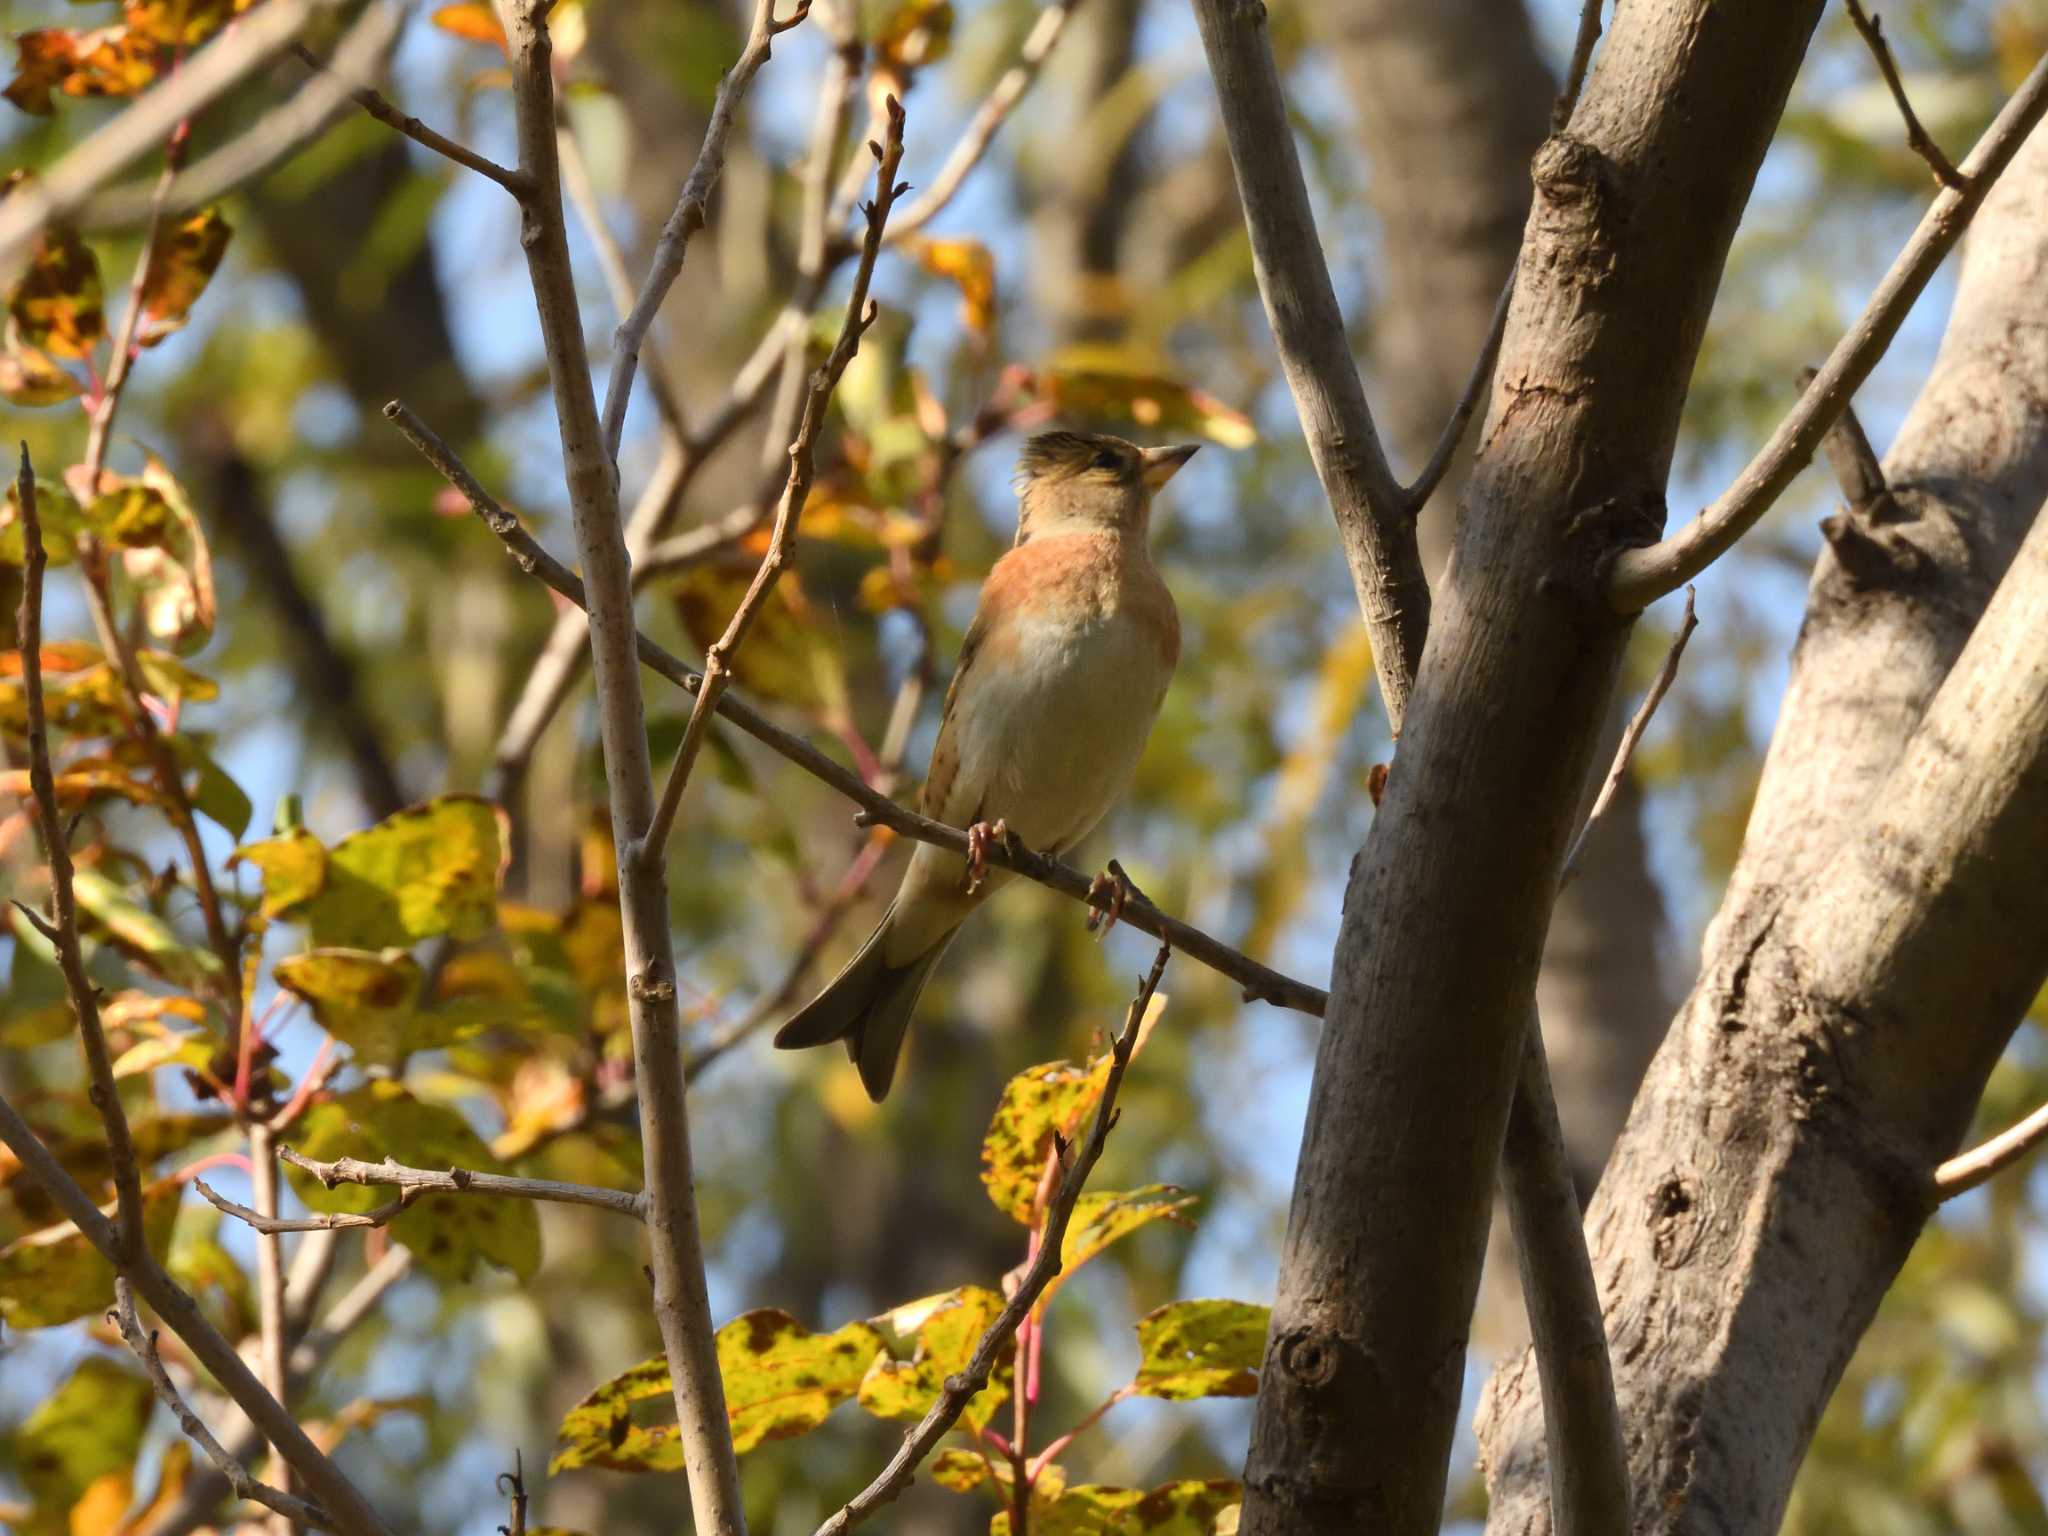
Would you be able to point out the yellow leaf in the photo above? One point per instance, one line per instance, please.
(968, 264)
(182, 261)
(57, 304)
(1108, 382)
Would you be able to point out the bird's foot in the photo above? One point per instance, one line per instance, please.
(1113, 886)
(979, 837)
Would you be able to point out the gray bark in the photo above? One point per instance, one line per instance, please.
(1879, 941)
(1449, 900)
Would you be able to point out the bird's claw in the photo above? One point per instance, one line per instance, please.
(1113, 886)
(979, 837)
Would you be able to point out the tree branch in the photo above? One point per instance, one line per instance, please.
(378, 106)
(682, 1306)
(1981, 1164)
(414, 1182)
(244, 1486)
(960, 1390)
(1259, 982)
(1582, 59)
(1446, 449)
(1630, 739)
(1640, 576)
(1372, 513)
(1917, 139)
(688, 217)
(860, 314)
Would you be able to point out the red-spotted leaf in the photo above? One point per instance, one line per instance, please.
(1038, 1104)
(417, 874)
(1191, 1349)
(1101, 1219)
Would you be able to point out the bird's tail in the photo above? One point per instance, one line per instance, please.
(868, 1005)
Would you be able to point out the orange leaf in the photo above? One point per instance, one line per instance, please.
(473, 20)
(181, 261)
(57, 304)
(104, 61)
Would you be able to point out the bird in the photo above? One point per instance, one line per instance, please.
(1060, 677)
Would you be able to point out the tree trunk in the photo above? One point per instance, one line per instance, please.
(1880, 939)
(1448, 902)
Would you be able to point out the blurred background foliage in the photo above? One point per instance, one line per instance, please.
(371, 641)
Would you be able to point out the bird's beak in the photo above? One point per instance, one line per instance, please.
(1161, 464)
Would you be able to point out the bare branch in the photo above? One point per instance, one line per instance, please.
(682, 1304)
(1630, 739)
(62, 929)
(513, 1485)
(276, 136)
(989, 117)
(688, 217)
(860, 314)
(378, 106)
(1372, 514)
(461, 1181)
(269, 1285)
(1917, 139)
(1980, 1164)
(1446, 449)
(253, 41)
(350, 1513)
(1575, 72)
(960, 1389)
(1857, 471)
(245, 1486)
(1641, 576)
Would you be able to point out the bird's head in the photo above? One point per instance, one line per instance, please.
(1086, 482)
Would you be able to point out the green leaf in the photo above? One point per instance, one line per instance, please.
(31, 377)
(366, 1001)
(430, 870)
(1037, 1103)
(780, 1380)
(1101, 1219)
(146, 937)
(61, 521)
(448, 1233)
(87, 1429)
(1191, 1349)
(946, 1327)
(293, 865)
(57, 1276)
(214, 792)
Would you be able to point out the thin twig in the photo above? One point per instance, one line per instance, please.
(1575, 72)
(1630, 738)
(688, 216)
(1260, 983)
(269, 1281)
(144, 1345)
(860, 314)
(989, 117)
(62, 928)
(1446, 449)
(1917, 137)
(1966, 1170)
(320, 1221)
(253, 41)
(1640, 576)
(379, 106)
(462, 1181)
(960, 1389)
(513, 1485)
(1857, 470)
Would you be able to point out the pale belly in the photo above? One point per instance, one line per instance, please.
(1055, 739)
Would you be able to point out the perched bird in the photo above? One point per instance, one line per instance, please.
(1059, 679)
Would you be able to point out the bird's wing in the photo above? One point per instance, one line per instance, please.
(945, 797)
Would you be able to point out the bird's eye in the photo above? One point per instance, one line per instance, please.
(1108, 460)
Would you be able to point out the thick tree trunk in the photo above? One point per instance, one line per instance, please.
(1451, 99)
(1449, 900)
(1882, 934)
